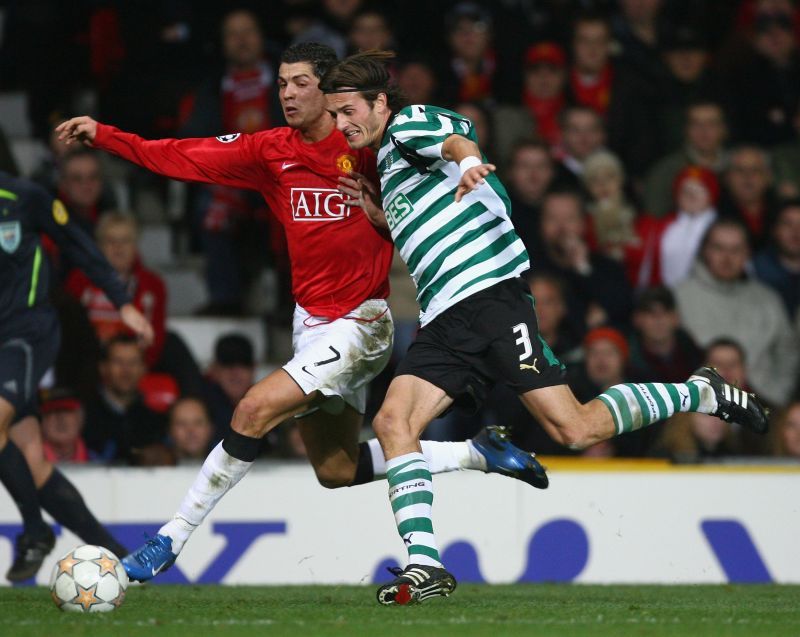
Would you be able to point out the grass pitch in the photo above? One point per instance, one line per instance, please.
(499, 611)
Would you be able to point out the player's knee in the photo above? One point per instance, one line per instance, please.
(334, 477)
(389, 428)
(251, 416)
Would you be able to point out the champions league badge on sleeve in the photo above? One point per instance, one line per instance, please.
(10, 236)
(227, 139)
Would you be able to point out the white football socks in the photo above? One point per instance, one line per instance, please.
(219, 474)
(440, 456)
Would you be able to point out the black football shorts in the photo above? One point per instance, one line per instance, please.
(490, 336)
(28, 348)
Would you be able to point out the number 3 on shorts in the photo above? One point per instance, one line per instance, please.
(524, 340)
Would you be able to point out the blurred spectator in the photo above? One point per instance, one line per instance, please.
(117, 236)
(728, 357)
(190, 430)
(62, 426)
(80, 186)
(417, 81)
(748, 193)
(667, 246)
(482, 121)
(696, 193)
(614, 93)
(704, 138)
(606, 356)
(778, 265)
(118, 423)
(469, 69)
(582, 134)
(46, 173)
(544, 87)
(695, 437)
(551, 314)
(720, 299)
(613, 217)
(638, 30)
(242, 98)
(229, 377)
(786, 157)
(689, 80)
(661, 350)
(370, 30)
(530, 174)
(597, 291)
(786, 429)
(768, 87)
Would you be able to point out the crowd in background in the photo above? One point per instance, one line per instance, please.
(651, 150)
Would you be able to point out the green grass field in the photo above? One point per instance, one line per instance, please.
(499, 611)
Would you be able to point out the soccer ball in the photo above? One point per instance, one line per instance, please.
(88, 579)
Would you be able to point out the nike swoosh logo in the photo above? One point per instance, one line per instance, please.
(336, 357)
(156, 571)
(286, 165)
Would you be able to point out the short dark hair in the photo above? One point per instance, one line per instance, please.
(367, 74)
(654, 296)
(526, 143)
(321, 57)
(726, 222)
(118, 339)
(725, 341)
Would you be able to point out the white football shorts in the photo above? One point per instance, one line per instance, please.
(339, 358)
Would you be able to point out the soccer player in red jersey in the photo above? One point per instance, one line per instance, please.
(342, 326)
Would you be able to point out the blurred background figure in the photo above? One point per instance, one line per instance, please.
(778, 264)
(699, 437)
(81, 187)
(190, 431)
(531, 173)
(582, 134)
(661, 350)
(719, 299)
(370, 30)
(228, 378)
(544, 89)
(786, 427)
(118, 423)
(62, 427)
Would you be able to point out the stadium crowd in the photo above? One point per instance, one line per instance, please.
(651, 149)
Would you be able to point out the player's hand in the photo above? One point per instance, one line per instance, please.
(137, 323)
(78, 129)
(364, 194)
(473, 178)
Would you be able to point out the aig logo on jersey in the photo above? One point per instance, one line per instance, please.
(318, 204)
(10, 236)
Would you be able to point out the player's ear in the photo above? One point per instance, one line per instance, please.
(382, 101)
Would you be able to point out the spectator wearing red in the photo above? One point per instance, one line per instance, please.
(624, 102)
(117, 235)
(544, 88)
(667, 247)
(470, 67)
(62, 425)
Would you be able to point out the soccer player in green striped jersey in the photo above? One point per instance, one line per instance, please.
(449, 216)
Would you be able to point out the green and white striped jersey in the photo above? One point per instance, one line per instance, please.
(452, 250)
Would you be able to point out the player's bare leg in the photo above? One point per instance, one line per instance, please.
(631, 406)
(265, 405)
(340, 460)
(56, 494)
(36, 539)
(410, 404)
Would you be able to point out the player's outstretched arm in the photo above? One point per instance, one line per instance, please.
(137, 323)
(365, 194)
(467, 155)
(78, 129)
(228, 160)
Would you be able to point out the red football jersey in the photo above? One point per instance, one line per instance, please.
(338, 258)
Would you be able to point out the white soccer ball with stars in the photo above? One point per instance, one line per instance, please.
(88, 579)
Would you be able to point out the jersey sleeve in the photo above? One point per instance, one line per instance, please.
(419, 133)
(227, 160)
(51, 218)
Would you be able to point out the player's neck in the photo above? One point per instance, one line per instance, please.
(318, 130)
(376, 144)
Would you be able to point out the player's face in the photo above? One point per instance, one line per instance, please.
(298, 89)
(361, 122)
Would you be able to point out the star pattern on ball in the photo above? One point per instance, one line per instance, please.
(106, 564)
(86, 597)
(66, 564)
